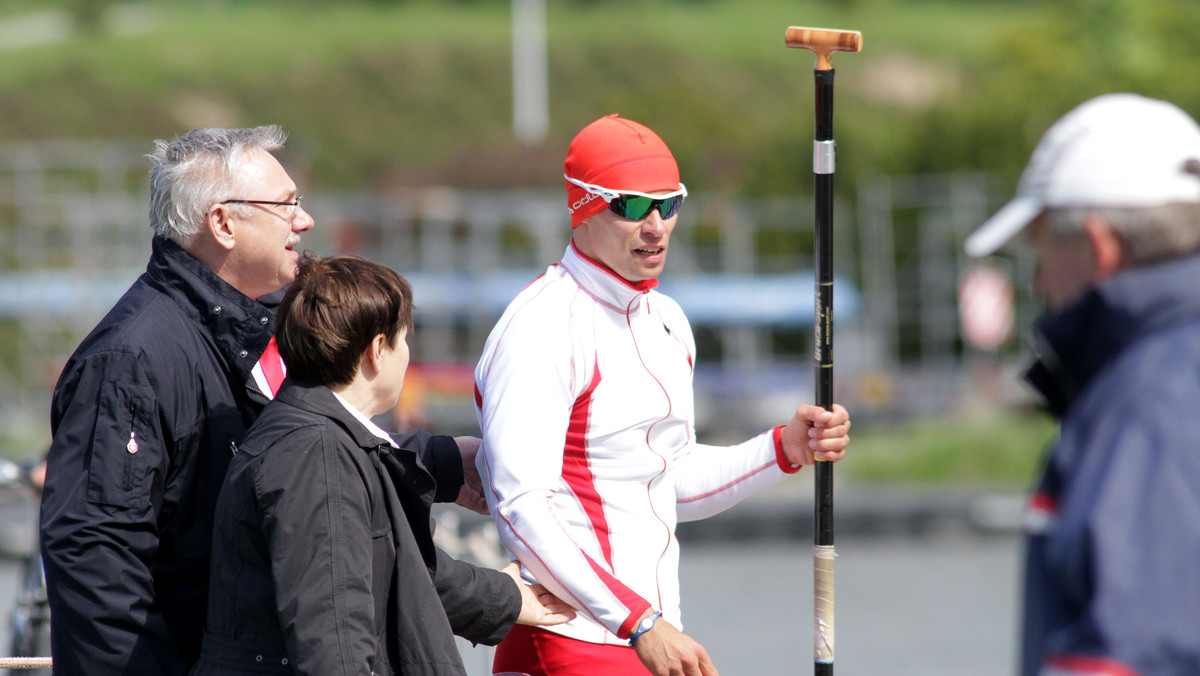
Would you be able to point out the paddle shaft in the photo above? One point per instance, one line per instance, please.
(823, 357)
(823, 42)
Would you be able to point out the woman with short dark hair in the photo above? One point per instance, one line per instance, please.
(323, 559)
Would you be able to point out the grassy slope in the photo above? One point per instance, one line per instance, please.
(420, 92)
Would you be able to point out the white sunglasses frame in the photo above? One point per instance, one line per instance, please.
(610, 195)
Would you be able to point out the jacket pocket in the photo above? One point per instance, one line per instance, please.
(124, 450)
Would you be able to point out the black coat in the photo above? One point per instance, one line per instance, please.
(143, 419)
(323, 556)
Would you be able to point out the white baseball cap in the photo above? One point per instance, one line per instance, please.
(1116, 150)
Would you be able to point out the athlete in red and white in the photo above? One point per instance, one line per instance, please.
(584, 395)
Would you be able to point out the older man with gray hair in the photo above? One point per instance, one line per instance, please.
(1110, 204)
(147, 409)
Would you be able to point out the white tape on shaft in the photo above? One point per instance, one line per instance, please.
(824, 156)
(823, 556)
(26, 662)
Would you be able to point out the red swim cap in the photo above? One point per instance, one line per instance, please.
(617, 154)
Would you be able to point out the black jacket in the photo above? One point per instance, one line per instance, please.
(143, 419)
(323, 556)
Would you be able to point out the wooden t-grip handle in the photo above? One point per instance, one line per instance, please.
(822, 41)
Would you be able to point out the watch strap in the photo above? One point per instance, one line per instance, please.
(644, 626)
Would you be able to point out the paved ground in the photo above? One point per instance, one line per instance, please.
(940, 606)
(926, 583)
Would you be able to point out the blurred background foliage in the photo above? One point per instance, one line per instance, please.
(389, 92)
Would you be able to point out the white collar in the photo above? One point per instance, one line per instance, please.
(375, 429)
(603, 284)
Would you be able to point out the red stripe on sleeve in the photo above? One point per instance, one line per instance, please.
(1088, 665)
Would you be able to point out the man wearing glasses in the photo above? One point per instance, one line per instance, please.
(584, 395)
(147, 411)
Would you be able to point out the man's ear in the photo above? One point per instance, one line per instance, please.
(1106, 247)
(221, 226)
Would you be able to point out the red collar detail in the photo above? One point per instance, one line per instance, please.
(642, 286)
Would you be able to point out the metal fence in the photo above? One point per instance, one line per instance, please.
(73, 236)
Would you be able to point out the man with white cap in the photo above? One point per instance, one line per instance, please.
(1110, 203)
(589, 458)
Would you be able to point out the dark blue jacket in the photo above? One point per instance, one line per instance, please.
(1113, 552)
(143, 419)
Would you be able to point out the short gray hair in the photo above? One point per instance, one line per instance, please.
(192, 172)
(1148, 235)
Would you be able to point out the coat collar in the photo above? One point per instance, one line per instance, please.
(600, 282)
(1073, 344)
(238, 324)
(320, 400)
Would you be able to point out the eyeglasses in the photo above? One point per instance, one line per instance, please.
(295, 204)
(636, 205)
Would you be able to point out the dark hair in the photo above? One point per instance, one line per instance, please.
(331, 313)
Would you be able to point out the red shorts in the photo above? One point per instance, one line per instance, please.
(537, 652)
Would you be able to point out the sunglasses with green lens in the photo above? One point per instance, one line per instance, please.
(635, 205)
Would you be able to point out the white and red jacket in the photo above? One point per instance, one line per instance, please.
(589, 456)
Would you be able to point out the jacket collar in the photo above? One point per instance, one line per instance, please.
(364, 420)
(600, 282)
(320, 400)
(1073, 344)
(239, 325)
